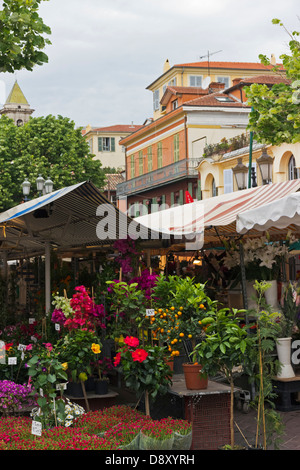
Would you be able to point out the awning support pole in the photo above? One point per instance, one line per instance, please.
(243, 278)
(47, 278)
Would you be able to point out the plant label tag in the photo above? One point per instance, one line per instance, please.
(31, 321)
(57, 326)
(149, 312)
(12, 361)
(33, 338)
(61, 386)
(36, 428)
(21, 347)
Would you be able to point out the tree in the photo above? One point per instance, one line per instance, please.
(22, 35)
(275, 117)
(50, 146)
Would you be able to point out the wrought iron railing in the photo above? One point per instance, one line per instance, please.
(178, 170)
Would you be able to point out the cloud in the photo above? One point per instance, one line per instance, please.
(105, 53)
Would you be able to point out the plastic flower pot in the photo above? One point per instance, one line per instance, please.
(194, 378)
(101, 387)
(74, 389)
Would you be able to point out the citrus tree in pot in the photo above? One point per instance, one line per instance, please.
(225, 347)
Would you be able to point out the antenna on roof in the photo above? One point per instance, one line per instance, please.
(208, 56)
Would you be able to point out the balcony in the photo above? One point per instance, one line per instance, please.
(168, 174)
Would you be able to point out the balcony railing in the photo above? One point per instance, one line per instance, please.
(167, 174)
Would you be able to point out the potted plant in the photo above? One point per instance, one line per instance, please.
(225, 346)
(101, 368)
(287, 321)
(45, 370)
(144, 368)
(265, 367)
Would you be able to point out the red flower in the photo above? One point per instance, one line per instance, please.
(139, 355)
(117, 359)
(131, 341)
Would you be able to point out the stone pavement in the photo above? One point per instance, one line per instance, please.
(247, 424)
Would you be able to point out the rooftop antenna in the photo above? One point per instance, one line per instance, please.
(208, 56)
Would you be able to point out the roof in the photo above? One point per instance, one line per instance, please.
(260, 79)
(115, 129)
(228, 65)
(113, 179)
(16, 95)
(216, 100)
(215, 216)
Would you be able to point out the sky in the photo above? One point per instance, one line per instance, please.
(105, 53)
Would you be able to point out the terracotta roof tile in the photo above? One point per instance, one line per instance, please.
(113, 179)
(118, 128)
(228, 65)
(215, 99)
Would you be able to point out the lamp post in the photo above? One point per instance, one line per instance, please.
(42, 186)
(265, 163)
(240, 172)
(26, 189)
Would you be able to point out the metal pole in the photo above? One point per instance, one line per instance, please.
(47, 278)
(250, 159)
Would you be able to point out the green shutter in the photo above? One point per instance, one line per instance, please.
(172, 199)
(159, 155)
(190, 189)
(112, 145)
(99, 144)
(149, 152)
(181, 197)
(199, 190)
(176, 147)
(141, 169)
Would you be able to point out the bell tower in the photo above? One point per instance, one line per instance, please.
(17, 107)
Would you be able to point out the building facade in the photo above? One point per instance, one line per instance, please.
(104, 144)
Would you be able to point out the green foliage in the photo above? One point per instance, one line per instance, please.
(76, 350)
(46, 370)
(275, 115)
(22, 33)
(50, 146)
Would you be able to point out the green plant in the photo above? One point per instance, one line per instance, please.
(289, 311)
(266, 333)
(45, 371)
(144, 369)
(77, 350)
(127, 302)
(226, 345)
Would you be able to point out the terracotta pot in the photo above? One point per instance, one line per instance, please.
(170, 363)
(194, 378)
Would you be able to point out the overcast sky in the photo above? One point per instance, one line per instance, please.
(105, 53)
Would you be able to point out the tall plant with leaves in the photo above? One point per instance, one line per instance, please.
(269, 425)
(226, 345)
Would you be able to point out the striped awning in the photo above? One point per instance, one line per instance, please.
(215, 217)
(66, 219)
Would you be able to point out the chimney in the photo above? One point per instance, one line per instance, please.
(215, 87)
(166, 65)
(236, 81)
(273, 60)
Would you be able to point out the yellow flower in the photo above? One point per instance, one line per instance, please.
(96, 348)
(65, 366)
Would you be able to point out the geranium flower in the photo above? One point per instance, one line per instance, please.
(117, 359)
(131, 341)
(139, 355)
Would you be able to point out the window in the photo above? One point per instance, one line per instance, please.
(228, 181)
(195, 80)
(176, 147)
(174, 104)
(156, 100)
(141, 162)
(294, 173)
(149, 154)
(173, 82)
(223, 80)
(106, 144)
(214, 189)
(159, 155)
(132, 172)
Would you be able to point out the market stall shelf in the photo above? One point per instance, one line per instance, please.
(209, 412)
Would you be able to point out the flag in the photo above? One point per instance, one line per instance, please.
(188, 198)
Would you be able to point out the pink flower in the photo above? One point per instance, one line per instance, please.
(117, 359)
(48, 346)
(131, 341)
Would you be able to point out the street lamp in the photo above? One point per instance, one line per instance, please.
(240, 172)
(26, 188)
(48, 186)
(265, 163)
(40, 184)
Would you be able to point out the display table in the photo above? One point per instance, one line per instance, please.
(209, 412)
(287, 391)
(96, 402)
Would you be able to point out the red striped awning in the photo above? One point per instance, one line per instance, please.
(216, 215)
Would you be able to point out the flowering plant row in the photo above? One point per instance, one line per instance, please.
(109, 429)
